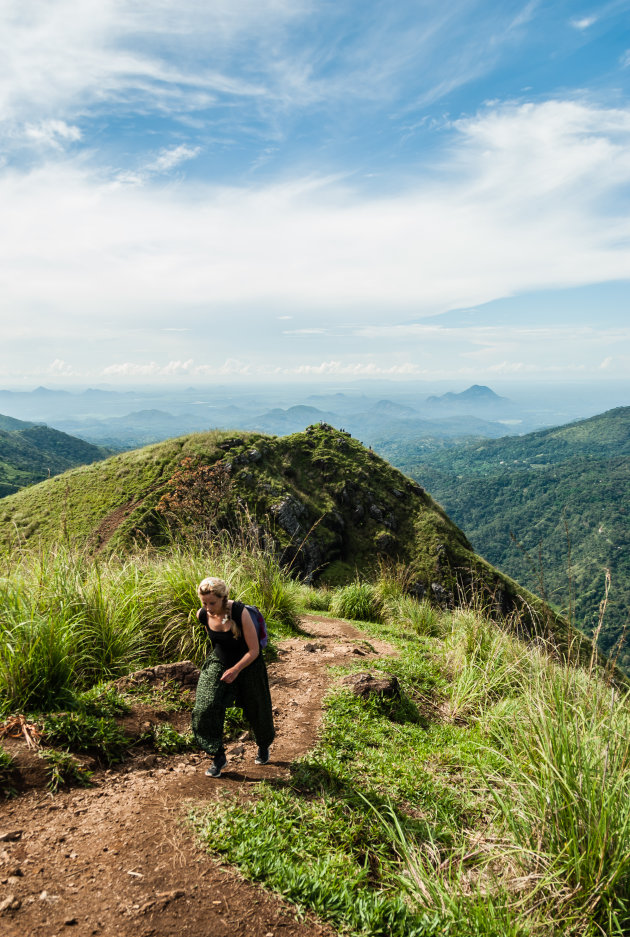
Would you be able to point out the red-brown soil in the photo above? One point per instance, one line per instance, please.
(117, 859)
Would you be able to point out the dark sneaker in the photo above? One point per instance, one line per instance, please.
(218, 764)
(262, 757)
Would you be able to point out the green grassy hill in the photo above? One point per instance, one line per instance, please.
(480, 789)
(331, 507)
(30, 452)
(564, 495)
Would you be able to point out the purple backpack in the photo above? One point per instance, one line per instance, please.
(259, 623)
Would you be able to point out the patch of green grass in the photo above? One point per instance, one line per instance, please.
(168, 741)
(235, 722)
(316, 600)
(312, 854)
(168, 696)
(99, 736)
(318, 841)
(566, 764)
(102, 700)
(491, 800)
(359, 601)
(406, 613)
(64, 769)
(266, 587)
(36, 666)
(68, 622)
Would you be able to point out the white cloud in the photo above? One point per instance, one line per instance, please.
(529, 203)
(65, 55)
(352, 369)
(60, 368)
(188, 368)
(132, 369)
(172, 157)
(70, 59)
(584, 22)
(166, 160)
(52, 133)
(533, 196)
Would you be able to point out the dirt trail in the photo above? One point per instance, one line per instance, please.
(115, 860)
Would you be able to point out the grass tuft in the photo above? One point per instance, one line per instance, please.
(64, 770)
(99, 736)
(168, 741)
(359, 601)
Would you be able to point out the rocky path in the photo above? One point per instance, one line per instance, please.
(117, 860)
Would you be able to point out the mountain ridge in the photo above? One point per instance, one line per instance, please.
(31, 452)
(550, 507)
(332, 508)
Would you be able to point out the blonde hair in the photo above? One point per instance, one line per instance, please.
(212, 584)
(218, 587)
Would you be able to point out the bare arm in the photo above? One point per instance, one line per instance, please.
(253, 648)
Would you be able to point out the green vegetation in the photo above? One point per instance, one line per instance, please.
(6, 774)
(69, 622)
(64, 770)
(168, 741)
(490, 799)
(551, 509)
(168, 696)
(98, 736)
(29, 453)
(359, 601)
(325, 506)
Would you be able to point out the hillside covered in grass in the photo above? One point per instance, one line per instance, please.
(485, 796)
(325, 505)
(30, 452)
(550, 508)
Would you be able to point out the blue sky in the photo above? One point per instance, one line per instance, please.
(248, 190)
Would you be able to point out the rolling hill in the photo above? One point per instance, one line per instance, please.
(551, 508)
(30, 452)
(327, 505)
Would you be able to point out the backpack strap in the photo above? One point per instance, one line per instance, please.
(237, 613)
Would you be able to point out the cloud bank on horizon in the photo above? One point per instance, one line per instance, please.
(283, 188)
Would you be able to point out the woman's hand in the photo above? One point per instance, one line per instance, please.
(230, 675)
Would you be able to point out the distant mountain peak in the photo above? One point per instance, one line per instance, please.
(476, 393)
(480, 390)
(396, 409)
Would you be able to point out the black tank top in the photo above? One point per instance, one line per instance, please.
(226, 647)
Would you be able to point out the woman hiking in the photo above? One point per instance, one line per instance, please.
(234, 674)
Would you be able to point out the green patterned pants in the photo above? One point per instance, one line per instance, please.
(250, 691)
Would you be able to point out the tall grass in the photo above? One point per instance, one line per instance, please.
(409, 615)
(567, 801)
(485, 664)
(359, 601)
(68, 620)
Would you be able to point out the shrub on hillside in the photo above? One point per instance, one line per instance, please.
(408, 614)
(359, 601)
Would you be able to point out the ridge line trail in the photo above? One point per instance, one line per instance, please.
(114, 860)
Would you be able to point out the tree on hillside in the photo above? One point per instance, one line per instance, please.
(199, 499)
